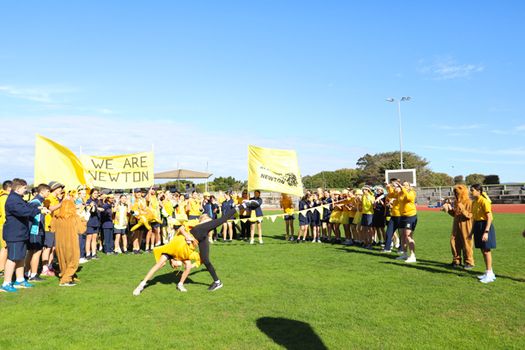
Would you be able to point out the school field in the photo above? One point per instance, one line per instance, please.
(286, 295)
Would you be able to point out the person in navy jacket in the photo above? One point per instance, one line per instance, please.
(19, 216)
(258, 217)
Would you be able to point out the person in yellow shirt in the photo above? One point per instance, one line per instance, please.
(408, 221)
(166, 211)
(287, 206)
(392, 204)
(347, 199)
(180, 250)
(358, 205)
(139, 211)
(153, 235)
(483, 229)
(367, 215)
(194, 208)
(120, 224)
(4, 192)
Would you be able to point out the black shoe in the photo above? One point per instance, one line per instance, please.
(35, 279)
(214, 286)
(94, 257)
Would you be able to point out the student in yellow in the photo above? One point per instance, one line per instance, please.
(392, 203)
(358, 204)
(286, 205)
(352, 209)
(120, 223)
(483, 229)
(367, 216)
(336, 216)
(166, 211)
(139, 210)
(194, 206)
(180, 250)
(181, 215)
(4, 192)
(153, 235)
(408, 221)
(345, 216)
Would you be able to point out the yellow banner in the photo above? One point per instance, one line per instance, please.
(274, 170)
(120, 171)
(54, 162)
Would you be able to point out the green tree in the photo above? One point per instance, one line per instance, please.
(474, 179)
(459, 179)
(491, 180)
(225, 184)
(372, 167)
(332, 179)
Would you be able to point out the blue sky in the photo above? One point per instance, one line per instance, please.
(200, 80)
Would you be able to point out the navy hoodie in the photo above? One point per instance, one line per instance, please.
(19, 216)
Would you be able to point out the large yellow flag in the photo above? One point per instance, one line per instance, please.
(54, 162)
(121, 171)
(274, 170)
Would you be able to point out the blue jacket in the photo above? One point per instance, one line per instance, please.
(19, 216)
(94, 218)
(106, 217)
(258, 211)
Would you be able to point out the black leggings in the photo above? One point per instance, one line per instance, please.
(200, 232)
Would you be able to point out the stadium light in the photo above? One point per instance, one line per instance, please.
(403, 99)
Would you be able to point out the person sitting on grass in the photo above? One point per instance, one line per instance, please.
(19, 216)
(180, 250)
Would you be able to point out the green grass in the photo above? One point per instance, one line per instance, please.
(301, 296)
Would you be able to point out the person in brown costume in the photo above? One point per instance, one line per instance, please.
(461, 238)
(67, 226)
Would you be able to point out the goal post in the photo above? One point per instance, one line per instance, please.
(408, 175)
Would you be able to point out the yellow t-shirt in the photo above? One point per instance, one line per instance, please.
(407, 202)
(395, 210)
(481, 207)
(3, 199)
(195, 207)
(49, 202)
(368, 204)
(168, 207)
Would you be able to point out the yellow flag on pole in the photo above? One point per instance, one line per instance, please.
(274, 170)
(54, 162)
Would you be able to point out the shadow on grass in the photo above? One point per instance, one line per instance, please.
(290, 334)
(173, 278)
(425, 265)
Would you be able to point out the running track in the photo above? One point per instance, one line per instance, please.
(496, 208)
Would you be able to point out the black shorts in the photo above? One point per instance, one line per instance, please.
(289, 217)
(16, 251)
(478, 229)
(155, 225)
(408, 222)
(49, 239)
(378, 220)
(304, 220)
(366, 220)
(92, 230)
(36, 242)
(120, 231)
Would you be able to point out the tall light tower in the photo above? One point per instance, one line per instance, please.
(403, 99)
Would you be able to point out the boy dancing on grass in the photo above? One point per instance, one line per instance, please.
(19, 216)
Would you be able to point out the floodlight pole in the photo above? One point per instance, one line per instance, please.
(403, 99)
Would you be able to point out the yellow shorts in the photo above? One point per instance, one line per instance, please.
(345, 218)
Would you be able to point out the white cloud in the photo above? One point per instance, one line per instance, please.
(446, 68)
(45, 95)
(176, 144)
(517, 151)
(457, 127)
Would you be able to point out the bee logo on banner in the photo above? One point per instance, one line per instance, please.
(274, 170)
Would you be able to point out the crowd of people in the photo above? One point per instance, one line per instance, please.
(72, 227)
(373, 216)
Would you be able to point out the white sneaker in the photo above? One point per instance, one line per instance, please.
(319, 240)
(488, 278)
(82, 260)
(386, 251)
(181, 287)
(400, 252)
(139, 288)
(251, 241)
(402, 257)
(260, 241)
(411, 259)
(480, 277)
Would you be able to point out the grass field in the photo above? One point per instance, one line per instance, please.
(299, 296)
